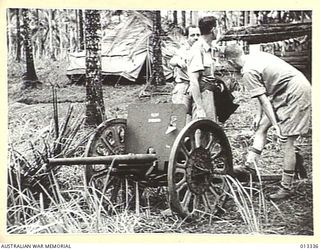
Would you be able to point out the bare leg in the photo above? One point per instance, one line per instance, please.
(289, 162)
(260, 139)
(210, 110)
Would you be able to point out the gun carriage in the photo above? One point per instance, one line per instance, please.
(155, 147)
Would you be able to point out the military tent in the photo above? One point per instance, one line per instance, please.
(126, 52)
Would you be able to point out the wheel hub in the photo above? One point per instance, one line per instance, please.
(198, 170)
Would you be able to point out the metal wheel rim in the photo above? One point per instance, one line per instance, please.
(109, 139)
(208, 194)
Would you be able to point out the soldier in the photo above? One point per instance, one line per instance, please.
(179, 62)
(211, 98)
(284, 95)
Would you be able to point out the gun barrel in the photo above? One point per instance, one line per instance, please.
(128, 158)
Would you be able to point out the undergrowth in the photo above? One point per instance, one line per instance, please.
(62, 203)
(42, 199)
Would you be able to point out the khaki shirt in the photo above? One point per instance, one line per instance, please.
(201, 60)
(287, 89)
(180, 73)
(264, 73)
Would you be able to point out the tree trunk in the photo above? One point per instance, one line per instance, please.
(72, 34)
(81, 39)
(9, 34)
(190, 16)
(18, 55)
(60, 27)
(183, 17)
(95, 110)
(30, 77)
(51, 51)
(225, 20)
(36, 43)
(246, 18)
(156, 66)
(66, 31)
(42, 47)
(175, 17)
(71, 46)
(40, 37)
(77, 29)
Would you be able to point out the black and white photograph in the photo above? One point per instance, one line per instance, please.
(171, 121)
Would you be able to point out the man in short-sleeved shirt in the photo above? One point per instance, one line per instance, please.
(284, 95)
(179, 62)
(211, 98)
(200, 67)
(286, 87)
(201, 60)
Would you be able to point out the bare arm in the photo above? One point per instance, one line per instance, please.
(266, 106)
(179, 58)
(259, 110)
(268, 109)
(195, 91)
(177, 61)
(258, 116)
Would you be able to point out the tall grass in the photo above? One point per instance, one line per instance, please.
(79, 210)
(253, 213)
(71, 211)
(57, 200)
(29, 173)
(63, 203)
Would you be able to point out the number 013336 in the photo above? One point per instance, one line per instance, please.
(306, 246)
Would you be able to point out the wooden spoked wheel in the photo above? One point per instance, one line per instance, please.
(199, 161)
(114, 190)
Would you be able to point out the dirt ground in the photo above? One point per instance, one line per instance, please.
(31, 112)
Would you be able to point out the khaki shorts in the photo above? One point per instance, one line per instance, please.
(209, 106)
(180, 95)
(293, 107)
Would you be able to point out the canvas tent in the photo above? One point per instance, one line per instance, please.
(125, 52)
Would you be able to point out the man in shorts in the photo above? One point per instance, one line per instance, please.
(179, 62)
(284, 96)
(210, 96)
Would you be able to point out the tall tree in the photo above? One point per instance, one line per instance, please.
(70, 29)
(156, 66)
(73, 30)
(95, 110)
(175, 17)
(246, 18)
(50, 25)
(40, 32)
(225, 20)
(18, 55)
(9, 33)
(77, 28)
(81, 39)
(36, 40)
(30, 77)
(183, 17)
(61, 40)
